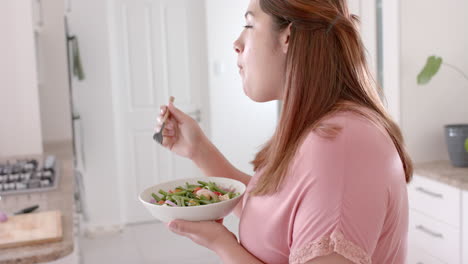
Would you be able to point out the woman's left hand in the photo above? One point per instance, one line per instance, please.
(210, 234)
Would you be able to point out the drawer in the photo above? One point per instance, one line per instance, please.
(435, 199)
(465, 228)
(436, 238)
(416, 256)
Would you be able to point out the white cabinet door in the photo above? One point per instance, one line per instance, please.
(416, 256)
(160, 51)
(435, 238)
(437, 200)
(465, 227)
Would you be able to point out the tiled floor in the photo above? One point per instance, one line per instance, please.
(149, 243)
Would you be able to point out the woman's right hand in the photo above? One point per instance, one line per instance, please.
(182, 134)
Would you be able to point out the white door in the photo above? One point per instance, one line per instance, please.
(160, 49)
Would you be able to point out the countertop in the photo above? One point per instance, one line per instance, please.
(61, 199)
(444, 172)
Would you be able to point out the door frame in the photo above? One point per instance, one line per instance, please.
(391, 56)
(116, 108)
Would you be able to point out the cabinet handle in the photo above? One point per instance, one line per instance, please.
(433, 194)
(428, 231)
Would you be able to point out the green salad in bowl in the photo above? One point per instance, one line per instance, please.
(202, 193)
(193, 199)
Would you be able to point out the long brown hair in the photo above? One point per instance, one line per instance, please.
(326, 72)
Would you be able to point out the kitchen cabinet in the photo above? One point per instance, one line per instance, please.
(437, 218)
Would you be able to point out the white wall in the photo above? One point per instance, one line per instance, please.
(239, 126)
(428, 28)
(54, 89)
(20, 128)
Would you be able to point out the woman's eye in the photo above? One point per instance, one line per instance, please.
(247, 26)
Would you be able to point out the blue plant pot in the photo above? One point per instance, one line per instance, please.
(455, 136)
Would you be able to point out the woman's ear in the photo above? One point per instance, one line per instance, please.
(284, 38)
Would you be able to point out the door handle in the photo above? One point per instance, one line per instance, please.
(195, 115)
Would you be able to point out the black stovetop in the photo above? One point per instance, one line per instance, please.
(28, 175)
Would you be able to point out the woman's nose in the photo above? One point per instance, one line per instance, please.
(237, 48)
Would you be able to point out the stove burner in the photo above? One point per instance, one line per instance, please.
(28, 175)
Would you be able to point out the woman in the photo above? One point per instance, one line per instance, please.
(330, 185)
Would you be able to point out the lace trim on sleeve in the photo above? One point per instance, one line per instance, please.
(335, 242)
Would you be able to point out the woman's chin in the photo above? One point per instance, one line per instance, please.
(258, 98)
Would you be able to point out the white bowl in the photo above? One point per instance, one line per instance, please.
(193, 213)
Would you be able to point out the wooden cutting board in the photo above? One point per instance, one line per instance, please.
(32, 228)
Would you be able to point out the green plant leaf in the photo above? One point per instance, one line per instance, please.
(466, 145)
(430, 69)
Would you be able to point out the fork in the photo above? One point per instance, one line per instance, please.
(159, 135)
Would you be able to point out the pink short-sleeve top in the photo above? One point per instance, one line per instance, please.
(346, 195)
